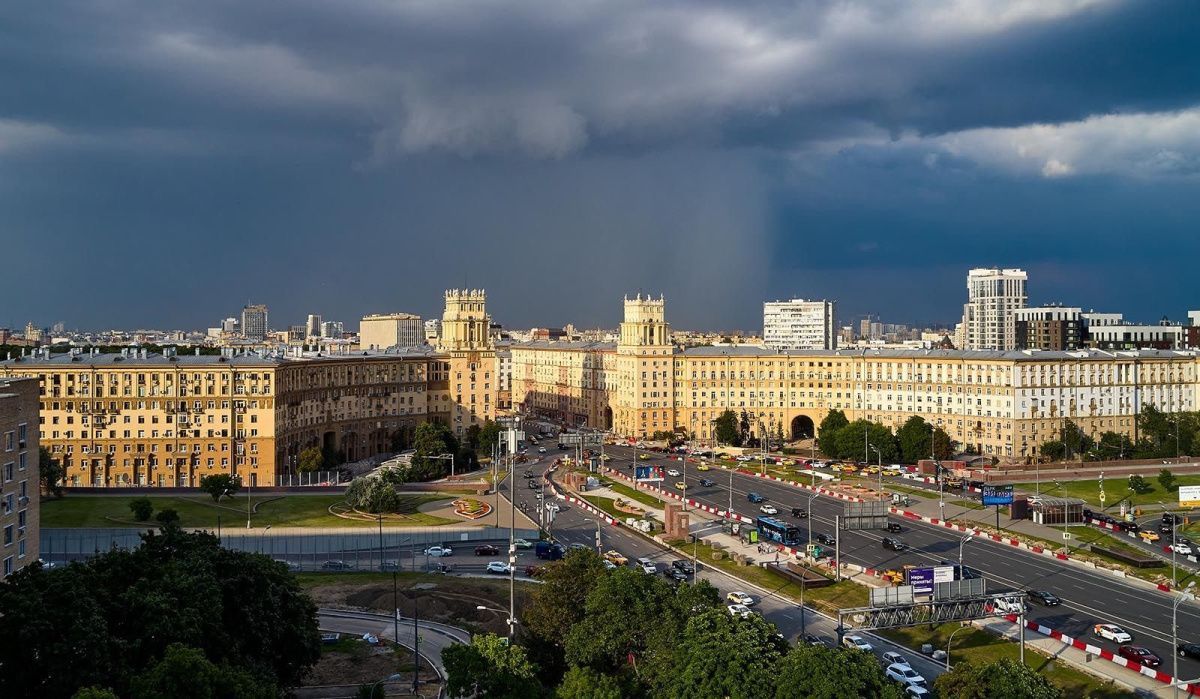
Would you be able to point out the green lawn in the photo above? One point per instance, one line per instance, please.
(200, 511)
(981, 647)
(1115, 490)
(642, 496)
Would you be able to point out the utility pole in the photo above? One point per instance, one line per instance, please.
(837, 547)
(512, 548)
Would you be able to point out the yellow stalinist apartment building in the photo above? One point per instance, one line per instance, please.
(1005, 404)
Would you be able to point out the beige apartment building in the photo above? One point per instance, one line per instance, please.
(19, 480)
(1001, 403)
(140, 419)
(383, 331)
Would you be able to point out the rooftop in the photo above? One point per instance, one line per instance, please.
(246, 359)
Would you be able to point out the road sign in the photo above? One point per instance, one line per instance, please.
(1066, 536)
(997, 494)
(1189, 496)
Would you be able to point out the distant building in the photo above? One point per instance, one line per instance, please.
(799, 324)
(19, 488)
(312, 325)
(1048, 328)
(385, 330)
(33, 333)
(331, 329)
(230, 325)
(1164, 336)
(433, 330)
(254, 322)
(59, 328)
(1192, 337)
(846, 336)
(504, 379)
(992, 296)
(547, 333)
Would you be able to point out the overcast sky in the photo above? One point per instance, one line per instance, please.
(163, 163)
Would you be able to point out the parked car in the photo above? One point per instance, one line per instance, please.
(768, 509)
(336, 565)
(1042, 597)
(498, 567)
(857, 643)
(891, 542)
(799, 513)
(707, 483)
(487, 550)
(1142, 656)
(439, 551)
(1112, 632)
(739, 597)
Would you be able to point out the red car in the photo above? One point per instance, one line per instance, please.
(1142, 656)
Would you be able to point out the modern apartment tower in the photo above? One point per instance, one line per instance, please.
(19, 480)
(799, 325)
(992, 296)
(382, 331)
(254, 322)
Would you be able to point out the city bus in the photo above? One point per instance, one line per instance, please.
(771, 529)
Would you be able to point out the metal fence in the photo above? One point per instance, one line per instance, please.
(311, 478)
(314, 548)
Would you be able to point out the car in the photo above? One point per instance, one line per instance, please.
(674, 575)
(904, 674)
(680, 485)
(522, 543)
(291, 565)
(439, 551)
(1044, 598)
(534, 485)
(707, 483)
(1112, 632)
(917, 691)
(1142, 656)
(739, 610)
(1149, 536)
(799, 513)
(1188, 650)
(1169, 518)
(615, 558)
(857, 643)
(1009, 606)
(894, 527)
(578, 546)
(499, 567)
(673, 472)
(891, 542)
(487, 550)
(683, 566)
(702, 467)
(893, 658)
(643, 457)
(1128, 527)
(1182, 549)
(647, 567)
(336, 565)
(609, 565)
(754, 497)
(739, 597)
(553, 506)
(541, 450)
(812, 640)
(768, 509)
(823, 538)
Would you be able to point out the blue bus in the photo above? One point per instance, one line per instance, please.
(776, 530)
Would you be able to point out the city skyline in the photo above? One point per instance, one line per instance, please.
(317, 160)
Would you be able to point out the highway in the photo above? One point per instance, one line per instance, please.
(1088, 597)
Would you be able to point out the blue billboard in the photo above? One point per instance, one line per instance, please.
(921, 580)
(997, 494)
(648, 474)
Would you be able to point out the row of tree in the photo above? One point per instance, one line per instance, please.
(737, 430)
(180, 616)
(1160, 435)
(915, 440)
(597, 634)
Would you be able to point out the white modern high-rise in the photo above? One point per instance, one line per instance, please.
(312, 326)
(799, 324)
(992, 296)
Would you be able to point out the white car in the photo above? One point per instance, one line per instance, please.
(858, 643)
(818, 464)
(1183, 549)
(739, 597)
(553, 506)
(768, 510)
(1112, 632)
(739, 610)
(1009, 606)
(893, 658)
(916, 691)
(904, 674)
(541, 450)
(648, 568)
(609, 564)
(439, 551)
(499, 567)
(673, 472)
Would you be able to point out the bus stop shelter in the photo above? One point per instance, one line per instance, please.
(1056, 511)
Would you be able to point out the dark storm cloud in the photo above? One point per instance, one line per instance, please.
(361, 156)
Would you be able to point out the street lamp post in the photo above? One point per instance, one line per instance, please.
(599, 547)
(879, 456)
(511, 621)
(390, 678)
(961, 543)
(951, 640)
(1186, 594)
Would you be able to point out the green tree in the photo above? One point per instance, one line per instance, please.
(219, 484)
(489, 667)
(311, 459)
(1139, 485)
(432, 439)
(827, 433)
(489, 434)
(558, 603)
(185, 673)
(586, 683)
(167, 517)
(50, 471)
(1053, 450)
(852, 445)
(374, 494)
(718, 655)
(1003, 679)
(1166, 479)
(915, 439)
(95, 693)
(725, 429)
(744, 424)
(817, 672)
(943, 446)
(471, 440)
(1113, 445)
(110, 620)
(1075, 439)
(141, 508)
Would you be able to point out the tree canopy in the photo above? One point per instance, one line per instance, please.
(725, 429)
(219, 484)
(1003, 679)
(311, 459)
(129, 620)
(489, 667)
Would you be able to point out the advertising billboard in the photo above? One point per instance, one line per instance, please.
(648, 474)
(943, 574)
(921, 580)
(1189, 496)
(997, 494)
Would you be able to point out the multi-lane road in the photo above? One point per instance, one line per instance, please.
(1089, 597)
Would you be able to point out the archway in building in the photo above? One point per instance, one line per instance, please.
(803, 427)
